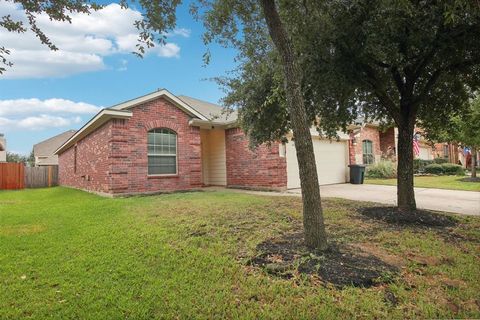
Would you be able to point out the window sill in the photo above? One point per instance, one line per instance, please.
(160, 176)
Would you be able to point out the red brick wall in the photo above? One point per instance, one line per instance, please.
(372, 134)
(387, 142)
(159, 113)
(93, 162)
(115, 156)
(261, 168)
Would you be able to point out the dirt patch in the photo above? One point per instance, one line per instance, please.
(372, 249)
(417, 218)
(470, 179)
(340, 265)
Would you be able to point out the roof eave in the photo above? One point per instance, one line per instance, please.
(209, 124)
(101, 118)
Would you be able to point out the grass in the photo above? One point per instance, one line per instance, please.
(68, 254)
(439, 182)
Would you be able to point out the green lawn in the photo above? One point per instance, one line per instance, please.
(439, 182)
(67, 254)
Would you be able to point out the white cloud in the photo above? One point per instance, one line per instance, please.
(35, 114)
(31, 106)
(182, 32)
(37, 123)
(82, 44)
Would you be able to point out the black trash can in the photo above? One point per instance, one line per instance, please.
(357, 173)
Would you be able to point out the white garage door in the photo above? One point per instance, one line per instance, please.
(425, 153)
(331, 159)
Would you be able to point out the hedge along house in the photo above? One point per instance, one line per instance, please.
(161, 142)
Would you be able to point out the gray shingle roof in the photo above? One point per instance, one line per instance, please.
(47, 147)
(212, 111)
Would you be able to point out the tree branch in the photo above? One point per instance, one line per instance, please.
(378, 88)
(436, 75)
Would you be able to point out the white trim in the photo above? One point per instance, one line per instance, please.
(154, 95)
(166, 155)
(102, 117)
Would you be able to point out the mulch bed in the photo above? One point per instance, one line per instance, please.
(340, 265)
(470, 179)
(416, 218)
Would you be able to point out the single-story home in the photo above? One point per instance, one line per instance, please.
(163, 142)
(44, 150)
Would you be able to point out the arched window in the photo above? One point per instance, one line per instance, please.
(367, 148)
(162, 152)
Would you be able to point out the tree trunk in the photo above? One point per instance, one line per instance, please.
(315, 236)
(405, 191)
(474, 162)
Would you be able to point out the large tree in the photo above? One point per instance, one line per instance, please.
(268, 87)
(399, 62)
(402, 61)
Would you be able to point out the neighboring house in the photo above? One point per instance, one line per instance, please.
(371, 143)
(162, 142)
(44, 152)
(3, 148)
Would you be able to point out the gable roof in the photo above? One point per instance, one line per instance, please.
(160, 93)
(47, 147)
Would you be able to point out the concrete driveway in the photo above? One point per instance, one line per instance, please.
(462, 202)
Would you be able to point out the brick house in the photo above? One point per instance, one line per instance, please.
(371, 143)
(162, 142)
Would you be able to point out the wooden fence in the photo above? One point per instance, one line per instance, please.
(17, 176)
(12, 176)
(40, 177)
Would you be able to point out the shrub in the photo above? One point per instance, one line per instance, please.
(420, 164)
(453, 169)
(382, 170)
(440, 160)
(434, 169)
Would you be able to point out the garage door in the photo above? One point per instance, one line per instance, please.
(425, 153)
(331, 159)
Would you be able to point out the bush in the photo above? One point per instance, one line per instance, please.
(382, 170)
(420, 164)
(434, 169)
(440, 160)
(453, 169)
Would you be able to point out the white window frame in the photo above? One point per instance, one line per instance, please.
(164, 155)
(365, 155)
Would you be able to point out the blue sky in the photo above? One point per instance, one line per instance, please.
(46, 93)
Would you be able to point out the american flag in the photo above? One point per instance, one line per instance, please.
(416, 146)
